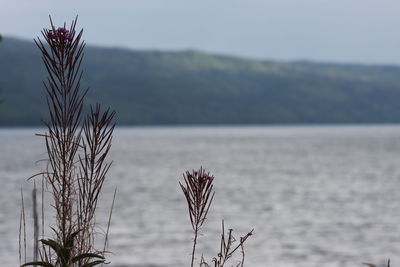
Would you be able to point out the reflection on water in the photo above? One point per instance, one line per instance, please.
(316, 196)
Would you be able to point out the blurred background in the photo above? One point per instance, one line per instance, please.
(292, 105)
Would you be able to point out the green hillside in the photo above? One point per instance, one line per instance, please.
(190, 87)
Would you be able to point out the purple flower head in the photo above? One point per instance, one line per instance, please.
(200, 176)
(62, 30)
(199, 193)
(61, 35)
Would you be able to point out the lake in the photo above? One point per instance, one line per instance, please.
(315, 195)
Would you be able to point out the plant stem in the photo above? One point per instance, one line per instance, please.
(194, 245)
(35, 224)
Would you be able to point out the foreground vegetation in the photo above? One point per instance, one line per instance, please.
(77, 146)
(190, 87)
(77, 164)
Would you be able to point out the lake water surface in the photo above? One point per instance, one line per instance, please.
(315, 195)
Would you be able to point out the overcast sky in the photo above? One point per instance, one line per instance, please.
(363, 31)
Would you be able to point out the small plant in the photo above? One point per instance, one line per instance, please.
(64, 255)
(199, 194)
(77, 148)
(198, 190)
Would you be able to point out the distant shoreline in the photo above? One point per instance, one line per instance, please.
(164, 126)
(155, 88)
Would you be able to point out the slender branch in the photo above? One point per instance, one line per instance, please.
(109, 220)
(35, 224)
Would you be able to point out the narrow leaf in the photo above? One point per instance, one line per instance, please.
(39, 263)
(86, 255)
(90, 264)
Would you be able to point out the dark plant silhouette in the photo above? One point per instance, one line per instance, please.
(227, 249)
(199, 194)
(77, 148)
(198, 190)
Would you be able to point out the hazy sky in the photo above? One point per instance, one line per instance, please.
(365, 31)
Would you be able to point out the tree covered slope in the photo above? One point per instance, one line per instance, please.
(190, 87)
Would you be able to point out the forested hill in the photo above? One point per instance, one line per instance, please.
(189, 87)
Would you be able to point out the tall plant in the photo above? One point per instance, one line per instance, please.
(77, 147)
(199, 193)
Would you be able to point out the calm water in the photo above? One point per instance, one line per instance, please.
(316, 196)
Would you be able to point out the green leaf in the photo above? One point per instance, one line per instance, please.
(90, 264)
(38, 263)
(53, 244)
(70, 239)
(86, 255)
(63, 253)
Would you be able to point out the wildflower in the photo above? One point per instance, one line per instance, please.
(61, 35)
(198, 190)
(199, 193)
